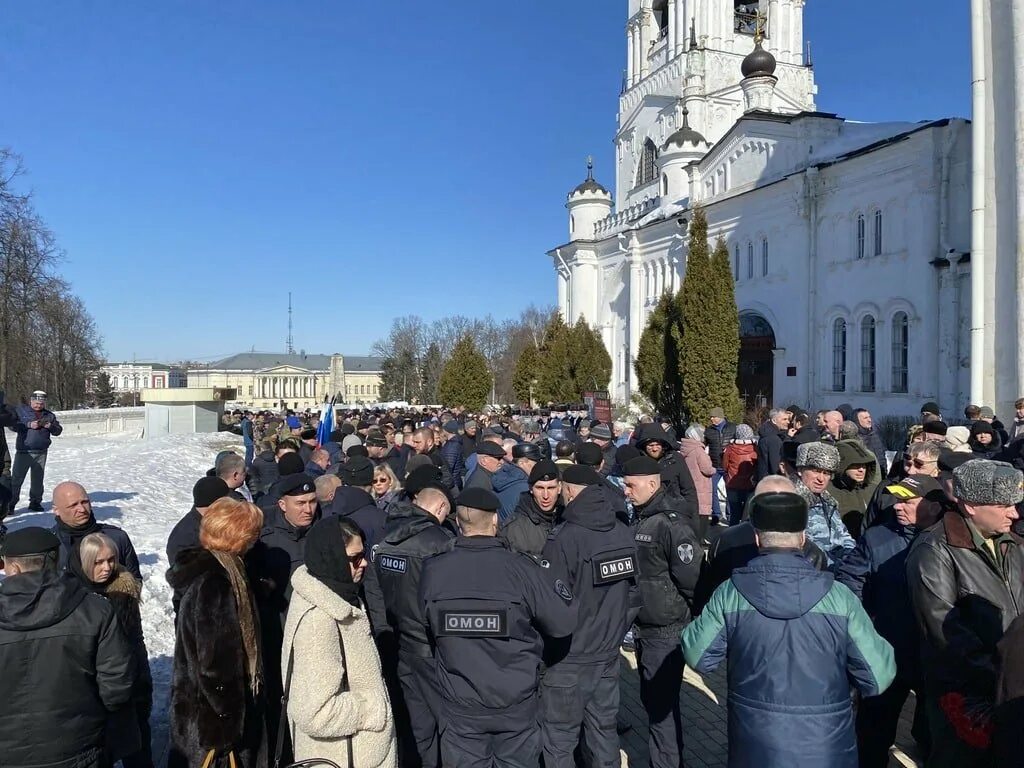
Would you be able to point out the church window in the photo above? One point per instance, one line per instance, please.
(839, 355)
(764, 255)
(736, 262)
(860, 236)
(878, 233)
(660, 9)
(750, 260)
(572, 224)
(648, 170)
(867, 354)
(900, 351)
(664, 184)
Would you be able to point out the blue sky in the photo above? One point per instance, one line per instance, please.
(197, 160)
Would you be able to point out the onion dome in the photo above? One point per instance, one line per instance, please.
(590, 186)
(684, 136)
(758, 63)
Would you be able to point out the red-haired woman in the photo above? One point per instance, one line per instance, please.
(217, 699)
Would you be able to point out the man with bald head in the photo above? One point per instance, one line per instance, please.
(75, 521)
(830, 429)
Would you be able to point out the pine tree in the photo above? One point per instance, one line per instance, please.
(725, 333)
(465, 379)
(657, 363)
(698, 364)
(554, 374)
(589, 361)
(105, 394)
(525, 373)
(430, 373)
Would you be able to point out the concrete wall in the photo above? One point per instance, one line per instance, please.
(100, 421)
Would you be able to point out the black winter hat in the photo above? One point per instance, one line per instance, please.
(356, 450)
(290, 464)
(526, 451)
(426, 476)
(376, 441)
(487, 448)
(357, 471)
(30, 541)
(936, 428)
(589, 455)
(208, 490)
(641, 466)
(479, 498)
(932, 408)
(574, 474)
(624, 453)
(779, 512)
(545, 469)
(307, 434)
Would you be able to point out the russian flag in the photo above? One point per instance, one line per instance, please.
(323, 432)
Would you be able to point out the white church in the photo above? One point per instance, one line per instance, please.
(850, 242)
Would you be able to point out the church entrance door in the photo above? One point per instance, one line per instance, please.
(755, 375)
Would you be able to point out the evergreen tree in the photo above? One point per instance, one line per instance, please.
(465, 380)
(554, 374)
(589, 361)
(657, 364)
(431, 368)
(725, 333)
(105, 394)
(525, 373)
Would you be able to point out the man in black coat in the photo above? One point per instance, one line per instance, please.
(353, 499)
(674, 474)
(380, 452)
(668, 556)
(537, 512)
(593, 552)
(185, 534)
(75, 521)
(772, 434)
(68, 663)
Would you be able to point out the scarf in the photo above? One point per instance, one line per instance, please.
(327, 560)
(246, 616)
(77, 534)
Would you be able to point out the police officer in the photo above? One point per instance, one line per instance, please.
(668, 556)
(415, 531)
(487, 638)
(537, 512)
(592, 551)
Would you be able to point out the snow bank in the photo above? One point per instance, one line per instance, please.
(144, 487)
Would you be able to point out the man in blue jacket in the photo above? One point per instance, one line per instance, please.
(795, 640)
(35, 426)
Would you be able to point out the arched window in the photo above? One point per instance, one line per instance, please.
(664, 184)
(572, 224)
(736, 262)
(900, 351)
(764, 256)
(860, 236)
(750, 260)
(878, 233)
(648, 170)
(867, 354)
(839, 355)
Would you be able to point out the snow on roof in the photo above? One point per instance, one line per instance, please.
(854, 136)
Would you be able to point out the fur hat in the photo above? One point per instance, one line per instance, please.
(744, 432)
(988, 482)
(817, 456)
(782, 512)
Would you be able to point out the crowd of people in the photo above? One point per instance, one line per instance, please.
(445, 588)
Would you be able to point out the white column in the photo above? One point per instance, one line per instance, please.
(786, 43)
(797, 15)
(671, 30)
(636, 315)
(636, 53)
(630, 68)
(682, 22)
(645, 43)
(563, 292)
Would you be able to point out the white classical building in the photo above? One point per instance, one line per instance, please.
(850, 241)
(135, 376)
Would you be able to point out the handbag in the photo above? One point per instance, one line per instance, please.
(283, 723)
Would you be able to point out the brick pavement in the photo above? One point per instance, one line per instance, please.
(704, 720)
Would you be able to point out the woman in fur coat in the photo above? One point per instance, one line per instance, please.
(96, 563)
(218, 707)
(338, 707)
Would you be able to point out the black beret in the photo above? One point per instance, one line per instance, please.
(208, 490)
(307, 434)
(545, 469)
(30, 541)
(574, 474)
(487, 448)
(526, 451)
(641, 466)
(479, 498)
(589, 454)
(779, 512)
(935, 428)
(376, 441)
(290, 464)
(296, 485)
(357, 471)
(357, 450)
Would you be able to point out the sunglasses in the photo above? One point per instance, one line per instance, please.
(381, 481)
(358, 557)
(919, 464)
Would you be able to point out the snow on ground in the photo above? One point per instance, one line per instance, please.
(144, 487)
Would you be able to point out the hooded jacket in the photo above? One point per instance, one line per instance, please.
(798, 640)
(853, 498)
(337, 692)
(527, 528)
(675, 475)
(739, 461)
(509, 483)
(359, 507)
(984, 451)
(263, 473)
(67, 665)
(593, 552)
(769, 449)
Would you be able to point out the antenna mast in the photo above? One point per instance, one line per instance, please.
(291, 341)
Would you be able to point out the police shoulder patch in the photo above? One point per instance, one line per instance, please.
(536, 559)
(685, 552)
(562, 590)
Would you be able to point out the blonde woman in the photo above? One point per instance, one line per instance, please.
(217, 695)
(338, 707)
(386, 486)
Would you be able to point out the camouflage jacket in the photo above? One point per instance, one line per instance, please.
(824, 525)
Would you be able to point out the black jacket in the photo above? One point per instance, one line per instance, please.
(769, 449)
(674, 474)
(67, 665)
(669, 555)
(71, 537)
(716, 440)
(184, 534)
(393, 459)
(527, 529)
(263, 473)
(592, 551)
(519, 600)
(447, 479)
(392, 581)
(359, 507)
(212, 704)
(271, 562)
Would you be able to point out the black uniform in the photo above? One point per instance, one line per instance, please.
(593, 552)
(527, 529)
(359, 507)
(488, 647)
(668, 556)
(392, 586)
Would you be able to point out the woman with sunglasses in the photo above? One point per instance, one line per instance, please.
(386, 486)
(338, 708)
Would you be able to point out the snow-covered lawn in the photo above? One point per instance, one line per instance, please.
(144, 487)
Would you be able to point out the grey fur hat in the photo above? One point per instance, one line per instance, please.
(982, 481)
(817, 456)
